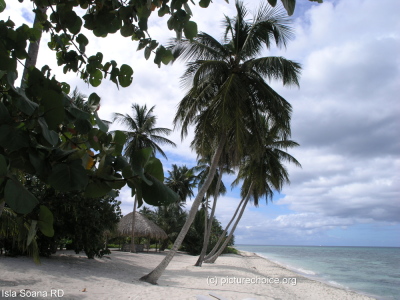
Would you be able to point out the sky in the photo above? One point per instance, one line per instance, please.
(345, 118)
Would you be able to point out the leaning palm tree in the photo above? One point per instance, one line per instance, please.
(226, 84)
(141, 134)
(216, 189)
(262, 172)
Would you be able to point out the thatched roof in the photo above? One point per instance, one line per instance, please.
(143, 227)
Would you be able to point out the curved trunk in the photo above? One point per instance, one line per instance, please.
(216, 255)
(153, 276)
(222, 236)
(33, 50)
(133, 250)
(209, 227)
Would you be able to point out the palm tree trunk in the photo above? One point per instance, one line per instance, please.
(216, 255)
(209, 227)
(33, 49)
(133, 250)
(154, 275)
(222, 236)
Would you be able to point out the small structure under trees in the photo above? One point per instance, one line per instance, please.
(143, 227)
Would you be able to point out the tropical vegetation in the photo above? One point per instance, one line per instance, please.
(227, 93)
(60, 142)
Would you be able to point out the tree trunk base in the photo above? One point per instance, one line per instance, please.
(148, 278)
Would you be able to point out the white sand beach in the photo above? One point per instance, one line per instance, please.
(117, 277)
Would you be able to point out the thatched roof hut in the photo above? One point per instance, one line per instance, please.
(143, 227)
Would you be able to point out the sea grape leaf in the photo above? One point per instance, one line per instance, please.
(70, 176)
(125, 75)
(18, 198)
(45, 222)
(102, 126)
(157, 194)
(54, 109)
(2, 5)
(4, 114)
(289, 5)
(154, 167)
(3, 166)
(50, 135)
(96, 189)
(190, 30)
(32, 232)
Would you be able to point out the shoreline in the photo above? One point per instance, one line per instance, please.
(313, 277)
(244, 276)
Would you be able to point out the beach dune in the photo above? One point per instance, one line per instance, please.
(73, 276)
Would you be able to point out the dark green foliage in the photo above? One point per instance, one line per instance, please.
(81, 220)
(193, 242)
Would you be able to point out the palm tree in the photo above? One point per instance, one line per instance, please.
(141, 134)
(226, 88)
(216, 189)
(261, 172)
(181, 180)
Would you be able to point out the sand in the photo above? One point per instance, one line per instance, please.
(116, 276)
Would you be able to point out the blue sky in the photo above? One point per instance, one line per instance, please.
(345, 117)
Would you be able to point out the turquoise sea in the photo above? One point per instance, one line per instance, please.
(373, 271)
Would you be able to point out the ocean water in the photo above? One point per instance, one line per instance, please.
(374, 271)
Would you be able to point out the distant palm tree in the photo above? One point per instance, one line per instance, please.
(227, 88)
(141, 134)
(181, 180)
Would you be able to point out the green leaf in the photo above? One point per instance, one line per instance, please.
(4, 114)
(95, 78)
(65, 87)
(272, 2)
(127, 30)
(204, 3)
(154, 167)
(96, 189)
(102, 126)
(25, 105)
(117, 184)
(289, 5)
(119, 142)
(2, 5)
(31, 233)
(147, 52)
(18, 198)
(158, 194)
(190, 30)
(83, 126)
(163, 56)
(67, 177)
(45, 222)
(120, 163)
(13, 138)
(139, 160)
(94, 101)
(82, 41)
(75, 27)
(125, 75)
(50, 135)
(53, 108)
(3, 166)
